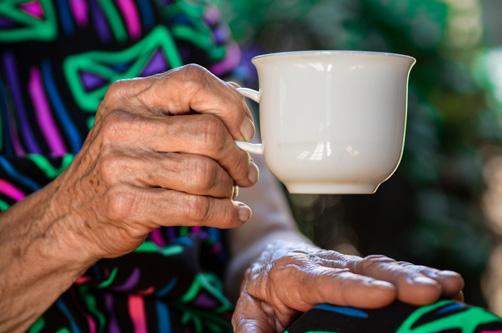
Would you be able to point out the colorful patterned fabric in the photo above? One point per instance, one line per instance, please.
(57, 59)
(445, 316)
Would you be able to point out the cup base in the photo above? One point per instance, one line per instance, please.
(330, 188)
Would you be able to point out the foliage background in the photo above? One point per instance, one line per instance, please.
(433, 210)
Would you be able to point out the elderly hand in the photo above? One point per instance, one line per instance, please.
(286, 281)
(161, 153)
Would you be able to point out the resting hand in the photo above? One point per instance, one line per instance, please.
(161, 153)
(286, 281)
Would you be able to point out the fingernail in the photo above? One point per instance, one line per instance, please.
(423, 280)
(247, 129)
(244, 212)
(382, 284)
(447, 274)
(253, 173)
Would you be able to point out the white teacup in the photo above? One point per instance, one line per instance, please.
(331, 121)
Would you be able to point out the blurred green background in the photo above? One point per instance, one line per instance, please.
(441, 207)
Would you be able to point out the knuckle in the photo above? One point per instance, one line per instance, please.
(197, 208)
(193, 76)
(228, 215)
(119, 203)
(109, 167)
(204, 175)
(242, 164)
(283, 267)
(115, 124)
(115, 91)
(193, 70)
(370, 261)
(213, 133)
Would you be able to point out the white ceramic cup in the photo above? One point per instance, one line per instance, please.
(331, 121)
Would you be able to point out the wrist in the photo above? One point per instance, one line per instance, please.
(42, 228)
(279, 241)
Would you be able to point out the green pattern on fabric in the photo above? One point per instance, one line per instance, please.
(4, 206)
(91, 303)
(63, 330)
(90, 122)
(31, 28)
(37, 326)
(100, 63)
(183, 231)
(50, 171)
(206, 281)
(466, 321)
(207, 316)
(197, 32)
(114, 19)
(110, 279)
(151, 247)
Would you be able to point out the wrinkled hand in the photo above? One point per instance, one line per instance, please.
(286, 281)
(161, 153)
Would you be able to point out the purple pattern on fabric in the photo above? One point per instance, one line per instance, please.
(113, 326)
(5, 22)
(92, 81)
(10, 69)
(16, 142)
(204, 301)
(221, 34)
(156, 64)
(131, 281)
(171, 233)
(100, 22)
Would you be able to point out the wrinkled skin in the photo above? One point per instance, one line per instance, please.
(289, 279)
(161, 153)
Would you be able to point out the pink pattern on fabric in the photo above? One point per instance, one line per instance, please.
(137, 313)
(79, 9)
(232, 59)
(131, 17)
(156, 237)
(11, 191)
(34, 8)
(43, 112)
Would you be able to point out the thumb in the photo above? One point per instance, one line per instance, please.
(249, 317)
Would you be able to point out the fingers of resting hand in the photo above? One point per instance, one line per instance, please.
(186, 89)
(340, 286)
(195, 134)
(188, 173)
(413, 287)
(451, 282)
(301, 287)
(159, 207)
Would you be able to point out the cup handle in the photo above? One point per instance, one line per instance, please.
(253, 148)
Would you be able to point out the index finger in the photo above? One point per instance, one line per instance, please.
(187, 89)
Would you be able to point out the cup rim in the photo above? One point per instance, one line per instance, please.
(372, 54)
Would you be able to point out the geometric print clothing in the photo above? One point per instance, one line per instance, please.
(444, 316)
(57, 59)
